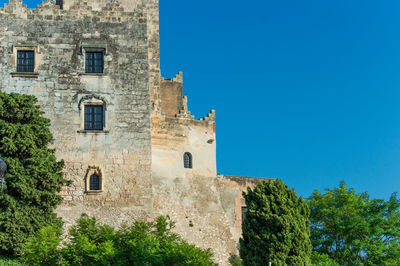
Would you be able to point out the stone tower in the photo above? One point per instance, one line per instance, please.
(152, 14)
(62, 43)
(130, 144)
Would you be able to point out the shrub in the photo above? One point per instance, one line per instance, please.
(41, 248)
(235, 261)
(143, 243)
(10, 261)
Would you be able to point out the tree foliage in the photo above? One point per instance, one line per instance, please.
(353, 229)
(143, 243)
(276, 226)
(318, 259)
(34, 176)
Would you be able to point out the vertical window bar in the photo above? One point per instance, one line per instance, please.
(98, 117)
(89, 62)
(88, 118)
(29, 61)
(98, 62)
(20, 61)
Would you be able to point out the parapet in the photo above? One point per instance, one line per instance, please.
(175, 104)
(95, 5)
(245, 180)
(103, 11)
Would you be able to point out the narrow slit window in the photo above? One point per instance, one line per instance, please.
(244, 211)
(187, 160)
(94, 182)
(94, 117)
(94, 62)
(25, 61)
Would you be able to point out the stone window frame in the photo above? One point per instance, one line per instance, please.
(93, 47)
(37, 58)
(92, 100)
(94, 170)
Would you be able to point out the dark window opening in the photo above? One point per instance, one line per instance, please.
(187, 160)
(94, 182)
(94, 117)
(59, 3)
(244, 210)
(94, 62)
(25, 61)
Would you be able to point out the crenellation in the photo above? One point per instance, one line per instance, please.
(80, 11)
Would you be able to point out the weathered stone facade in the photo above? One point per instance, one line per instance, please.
(147, 128)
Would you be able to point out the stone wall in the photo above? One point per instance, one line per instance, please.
(122, 151)
(231, 190)
(206, 206)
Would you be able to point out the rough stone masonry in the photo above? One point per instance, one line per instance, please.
(131, 146)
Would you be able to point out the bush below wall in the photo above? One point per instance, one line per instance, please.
(143, 243)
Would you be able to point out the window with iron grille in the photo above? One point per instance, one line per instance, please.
(187, 160)
(94, 117)
(94, 182)
(59, 3)
(94, 62)
(244, 210)
(25, 61)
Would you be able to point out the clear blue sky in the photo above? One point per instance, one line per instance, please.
(307, 91)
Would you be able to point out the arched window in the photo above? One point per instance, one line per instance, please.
(94, 182)
(187, 160)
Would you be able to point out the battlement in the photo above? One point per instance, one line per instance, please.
(174, 103)
(95, 5)
(111, 12)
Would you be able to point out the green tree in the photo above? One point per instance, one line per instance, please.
(276, 226)
(322, 260)
(353, 229)
(34, 176)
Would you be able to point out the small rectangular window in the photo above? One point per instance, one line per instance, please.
(25, 61)
(244, 210)
(59, 3)
(94, 62)
(94, 117)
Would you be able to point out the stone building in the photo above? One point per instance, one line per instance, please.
(131, 146)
